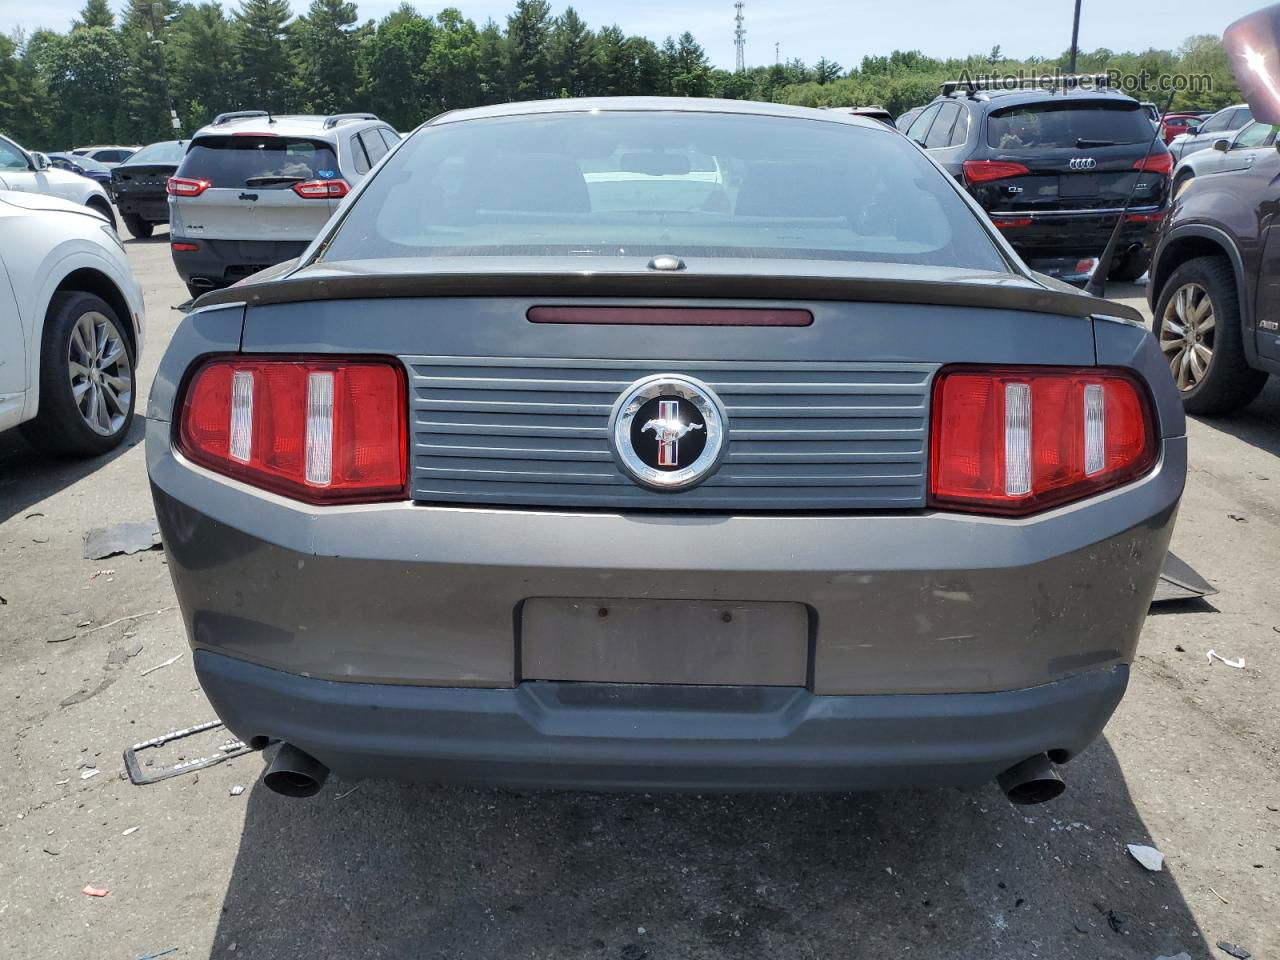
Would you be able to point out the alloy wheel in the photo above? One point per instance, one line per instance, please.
(1187, 329)
(98, 366)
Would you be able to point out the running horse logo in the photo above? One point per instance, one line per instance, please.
(667, 430)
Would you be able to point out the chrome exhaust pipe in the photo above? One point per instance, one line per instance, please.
(295, 774)
(1034, 780)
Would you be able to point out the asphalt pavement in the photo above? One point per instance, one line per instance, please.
(1190, 764)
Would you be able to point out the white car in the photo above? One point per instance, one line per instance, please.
(71, 318)
(108, 156)
(30, 172)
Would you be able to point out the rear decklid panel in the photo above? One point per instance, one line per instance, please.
(828, 416)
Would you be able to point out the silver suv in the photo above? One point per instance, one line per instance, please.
(253, 190)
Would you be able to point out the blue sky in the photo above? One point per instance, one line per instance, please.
(809, 29)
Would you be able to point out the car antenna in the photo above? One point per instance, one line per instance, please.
(1097, 285)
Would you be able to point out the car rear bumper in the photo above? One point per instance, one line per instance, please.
(1052, 235)
(222, 262)
(652, 737)
(153, 209)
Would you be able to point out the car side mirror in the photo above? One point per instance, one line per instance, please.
(1253, 50)
(39, 162)
(1222, 145)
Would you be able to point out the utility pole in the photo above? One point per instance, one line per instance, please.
(164, 72)
(740, 39)
(777, 53)
(1075, 39)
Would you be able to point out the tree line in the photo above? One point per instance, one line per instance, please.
(115, 80)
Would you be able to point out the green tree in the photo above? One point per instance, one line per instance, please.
(528, 29)
(326, 44)
(452, 68)
(824, 71)
(395, 81)
(687, 67)
(491, 64)
(569, 55)
(96, 13)
(261, 57)
(143, 110)
(202, 84)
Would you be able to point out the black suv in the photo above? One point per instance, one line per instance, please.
(1052, 168)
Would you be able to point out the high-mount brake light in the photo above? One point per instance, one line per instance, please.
(1016, 440)
(980, 171)
(322, 189)
(318, 429)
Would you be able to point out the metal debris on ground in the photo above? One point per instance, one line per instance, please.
(91, 891)
(91, 772)
(128, 830)
(140, 776)
(1213, 655)
(174, 659)
(1234, 950)
(237, 790)
(160, 953)
(112, 623)
(1149, 857)
(348, 792)
(121, 539)
(1179, 582)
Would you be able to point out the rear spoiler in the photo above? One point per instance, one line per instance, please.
(550, 286)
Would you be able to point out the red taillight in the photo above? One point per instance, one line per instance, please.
(321, 189)
(1155, 163)
(182, 187)
(182, 247)
(980, 171)
(1144, 217)
(1010, 223)
(1016, 440)
(320, 430)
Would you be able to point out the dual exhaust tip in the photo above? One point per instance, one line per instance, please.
(293, 773)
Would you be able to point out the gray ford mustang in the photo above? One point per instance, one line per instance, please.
(663, 445)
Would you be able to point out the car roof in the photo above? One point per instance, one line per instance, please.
(311, 126)
(1015, 98)
(655, 105)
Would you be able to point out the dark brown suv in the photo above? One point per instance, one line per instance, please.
(1215, 285)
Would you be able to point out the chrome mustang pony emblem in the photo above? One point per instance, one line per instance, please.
(667, 430)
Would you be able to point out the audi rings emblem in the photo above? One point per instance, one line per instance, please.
(1083, 163)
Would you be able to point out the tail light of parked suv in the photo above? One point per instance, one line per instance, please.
(321, 189)
(317, 429)
(980, 171)
(1013, 441)
(184, 187)
(1155, 163)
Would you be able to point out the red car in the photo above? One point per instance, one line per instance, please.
(1174, 124)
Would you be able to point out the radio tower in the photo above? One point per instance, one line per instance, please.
(740, 38)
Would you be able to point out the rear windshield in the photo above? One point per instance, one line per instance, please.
(1048, 126)
(258, 161)
(160, 153)
(644, 183)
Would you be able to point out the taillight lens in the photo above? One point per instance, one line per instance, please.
(320, 430)
(182, 187)
(980, 171)
(1016, 440)
(1155, 163)
(1011, 223)
(321, 189)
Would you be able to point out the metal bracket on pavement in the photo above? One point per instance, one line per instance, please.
(232, 748)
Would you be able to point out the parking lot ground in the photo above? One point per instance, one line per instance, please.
(1190, 764)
